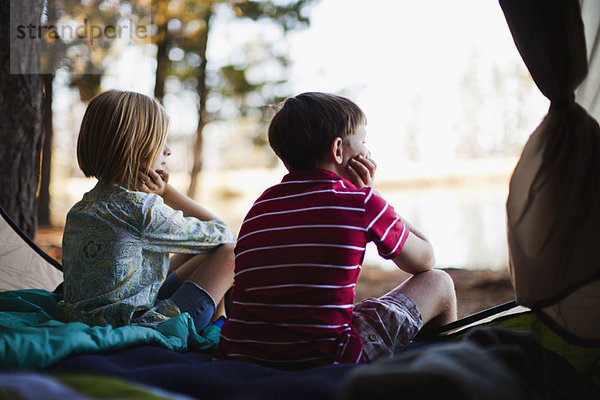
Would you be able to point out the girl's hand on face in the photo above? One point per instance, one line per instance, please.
(154, 182)
(362, 171)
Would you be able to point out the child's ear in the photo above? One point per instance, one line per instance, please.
(337, 150)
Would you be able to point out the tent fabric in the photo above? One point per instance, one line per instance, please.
(553, 207)
(578, 312)
(517, 356)
(588, 93)
(585, 359)
(489, 364)
(22, 264)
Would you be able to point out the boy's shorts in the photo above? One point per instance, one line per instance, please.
(386, 324)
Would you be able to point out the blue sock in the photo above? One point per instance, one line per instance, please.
(219, 322)
(194, 300)
(169, 286)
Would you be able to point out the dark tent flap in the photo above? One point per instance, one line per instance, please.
(553, 208)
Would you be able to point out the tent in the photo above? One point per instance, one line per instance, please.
(553, 208)
(23, 265)
(543, 345)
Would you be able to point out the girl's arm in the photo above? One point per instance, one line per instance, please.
(158, 182)
(179, 201)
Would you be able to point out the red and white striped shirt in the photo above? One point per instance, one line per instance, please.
(298, 257)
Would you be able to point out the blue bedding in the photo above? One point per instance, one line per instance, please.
(173, 357)
(489, 363)
(32, 338)
(177, 360)
(200, 376)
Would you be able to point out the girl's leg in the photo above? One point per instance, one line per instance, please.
(220, 311)
(177, 260)
(174, 281)
(213, 272)
(203, 274)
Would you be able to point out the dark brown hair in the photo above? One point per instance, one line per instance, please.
(304, 127)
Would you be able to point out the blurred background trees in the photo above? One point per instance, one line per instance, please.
(183, 32)
(448, 114)
(84, 58)
(180, 33)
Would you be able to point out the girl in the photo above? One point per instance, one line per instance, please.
(117, 239)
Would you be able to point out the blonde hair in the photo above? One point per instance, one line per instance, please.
(121, 134)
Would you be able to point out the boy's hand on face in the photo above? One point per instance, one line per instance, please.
(362, 171)
(154, 182)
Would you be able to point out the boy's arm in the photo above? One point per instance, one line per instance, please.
(417, 254)
(158, 182)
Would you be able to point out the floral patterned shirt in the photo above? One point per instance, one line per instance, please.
(116, 247)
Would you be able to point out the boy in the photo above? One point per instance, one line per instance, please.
(301, 246)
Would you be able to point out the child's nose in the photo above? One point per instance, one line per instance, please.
(167, 151)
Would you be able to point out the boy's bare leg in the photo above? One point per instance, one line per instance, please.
(434, 295)
(213, 272)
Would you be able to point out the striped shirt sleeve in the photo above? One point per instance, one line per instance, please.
(384, 226)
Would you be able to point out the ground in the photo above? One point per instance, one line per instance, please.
(475, 289)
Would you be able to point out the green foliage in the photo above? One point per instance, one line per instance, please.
(180, 31)
(289, 16)
(239, 86)
(183, 28)
(79, 36)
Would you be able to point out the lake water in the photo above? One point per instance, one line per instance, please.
(461, 210)
(466, 224)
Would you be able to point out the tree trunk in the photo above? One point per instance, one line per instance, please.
(20, 119)
(202, 114)
(47, 136)
(197, 153)
(161, 61)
